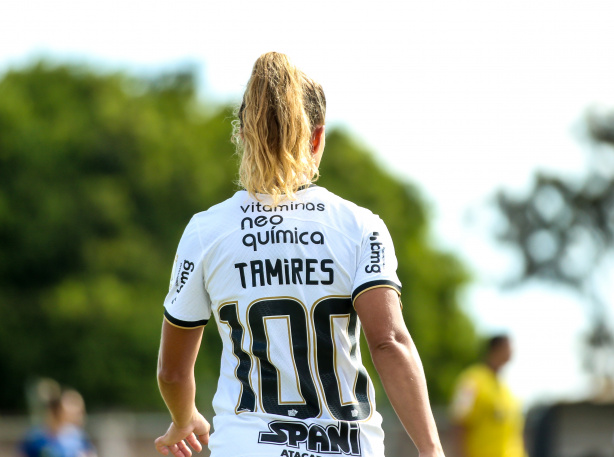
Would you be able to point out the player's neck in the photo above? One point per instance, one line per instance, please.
(493, 366)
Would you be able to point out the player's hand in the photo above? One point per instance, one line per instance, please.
(176, 439)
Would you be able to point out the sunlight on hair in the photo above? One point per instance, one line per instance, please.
(281, 107)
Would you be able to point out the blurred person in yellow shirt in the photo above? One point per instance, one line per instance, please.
(487, 419)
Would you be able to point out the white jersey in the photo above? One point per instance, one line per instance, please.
(280, 283)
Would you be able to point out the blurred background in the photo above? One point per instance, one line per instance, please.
(481, 132)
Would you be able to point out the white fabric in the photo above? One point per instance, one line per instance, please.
(280, 284)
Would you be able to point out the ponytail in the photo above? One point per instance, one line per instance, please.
(281, 108)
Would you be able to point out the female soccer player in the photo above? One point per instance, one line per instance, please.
(289, 272)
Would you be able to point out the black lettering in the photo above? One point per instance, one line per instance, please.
(184, 276)
(245, 209)
(339, 438)
(278, 436)
(260, 221)
(310, 269)
(287, 234)
(317, 441)
(264, 208)
(297, 267)
(260, 240)
(355, 439)
(281, 208)
(273, 271)
(241, 266)
(188, 267)
(375, 256)
(257, 271)
(330, 271)
(276, 219)
(317, 238)
(335, 439)
(301, 237)
(296, 432)
(248, 219)
(310, 206)
(296, 205)
(321, 206)
(258, 206)
(249, 240)
(287, 271)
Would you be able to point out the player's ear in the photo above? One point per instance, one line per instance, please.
(317, 139)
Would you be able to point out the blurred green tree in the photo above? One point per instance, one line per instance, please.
(99, 174)
(564, 230)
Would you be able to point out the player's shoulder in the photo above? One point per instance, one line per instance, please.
(343, 208)
(212, 222)
(222, 207)
(477, 373)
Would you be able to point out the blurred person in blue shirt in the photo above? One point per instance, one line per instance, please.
(61, 434)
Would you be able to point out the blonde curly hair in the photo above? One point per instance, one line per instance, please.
(281, 108)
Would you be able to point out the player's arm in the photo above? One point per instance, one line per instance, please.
(178, 351)
(396, 359)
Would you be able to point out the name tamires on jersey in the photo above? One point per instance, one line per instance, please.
(280, 282)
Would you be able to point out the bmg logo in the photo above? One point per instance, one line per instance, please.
(377, 254)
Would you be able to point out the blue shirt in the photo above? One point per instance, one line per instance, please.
(69, 442)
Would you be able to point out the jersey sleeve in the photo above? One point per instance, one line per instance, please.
(377, 265)
(187, 303)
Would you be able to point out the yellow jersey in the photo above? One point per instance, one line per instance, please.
(489, 414)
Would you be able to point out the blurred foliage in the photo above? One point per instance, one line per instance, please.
(99, 174)
(564, 231)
